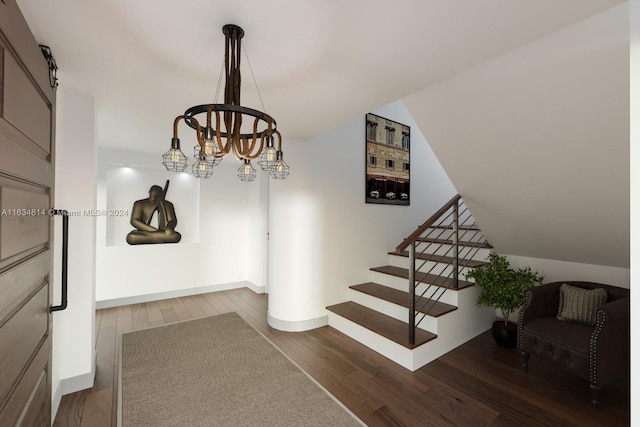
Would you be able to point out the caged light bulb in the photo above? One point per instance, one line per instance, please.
(280, 169)
(175, 157)
(208, 147)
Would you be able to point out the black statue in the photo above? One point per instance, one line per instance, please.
(142, 213)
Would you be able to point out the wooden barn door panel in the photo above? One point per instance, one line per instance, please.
(27, 117)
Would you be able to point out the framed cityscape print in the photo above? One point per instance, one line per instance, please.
(388, 147)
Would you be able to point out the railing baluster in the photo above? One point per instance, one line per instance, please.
(456, 241)
(412, 293)
(453, 215)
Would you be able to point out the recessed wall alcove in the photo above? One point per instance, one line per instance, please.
(126, 184)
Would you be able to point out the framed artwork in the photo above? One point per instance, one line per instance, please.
(388, 148)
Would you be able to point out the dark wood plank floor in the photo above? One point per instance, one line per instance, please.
(476, 384)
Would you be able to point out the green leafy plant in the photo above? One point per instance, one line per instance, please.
(502, 286)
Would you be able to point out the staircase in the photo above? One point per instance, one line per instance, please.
(419, 307)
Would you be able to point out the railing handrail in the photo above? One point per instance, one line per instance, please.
(428, 223)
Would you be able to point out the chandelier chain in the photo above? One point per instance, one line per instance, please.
(215, 100)
(255, 82)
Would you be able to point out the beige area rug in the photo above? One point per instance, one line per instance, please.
(217, 371)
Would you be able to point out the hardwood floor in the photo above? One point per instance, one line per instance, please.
(476, 384)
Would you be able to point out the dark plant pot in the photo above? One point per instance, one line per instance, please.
(506, 335)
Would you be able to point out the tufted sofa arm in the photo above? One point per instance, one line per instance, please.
(541, 301)
(610, 342)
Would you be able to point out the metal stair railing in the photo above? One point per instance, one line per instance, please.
(450, 225)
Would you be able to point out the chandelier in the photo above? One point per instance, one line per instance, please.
(219, 127)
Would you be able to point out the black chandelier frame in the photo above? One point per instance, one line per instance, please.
(245, 145)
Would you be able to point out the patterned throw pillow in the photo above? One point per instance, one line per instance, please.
(580, 305)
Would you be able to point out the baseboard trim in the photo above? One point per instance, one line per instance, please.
(56, 398)
(80, 382)
(137, 299)
(297, 325)
(72, 385)
(255, 288)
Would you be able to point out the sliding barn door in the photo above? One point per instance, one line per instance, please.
(27, 111)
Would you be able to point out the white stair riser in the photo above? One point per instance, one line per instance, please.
(396, 311)
(447, 234)
(455, 328)
(438, 268)
(447, 250)
(395, 352)
(449, 297)
(436, 293)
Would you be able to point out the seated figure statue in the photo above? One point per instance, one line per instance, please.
(142, 213)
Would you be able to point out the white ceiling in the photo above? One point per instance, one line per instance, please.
(318, 63)
(537, 142)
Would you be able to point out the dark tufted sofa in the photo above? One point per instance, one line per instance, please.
(598, 354)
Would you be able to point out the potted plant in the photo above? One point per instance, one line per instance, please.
(503, 288)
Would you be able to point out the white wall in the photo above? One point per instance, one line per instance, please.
(73, 365)
(557, 271)
(323, 236)
(635, 200)
(257, 232)
(217, 258)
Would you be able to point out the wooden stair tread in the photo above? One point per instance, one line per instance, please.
(401, 298)
(481, 245)
(388, 327)
(463, 262)
(432, 279)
